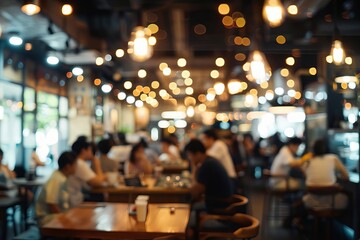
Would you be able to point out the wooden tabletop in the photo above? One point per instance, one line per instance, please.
(39, 181)
(157, 194)
(112, 221)
(175, 167)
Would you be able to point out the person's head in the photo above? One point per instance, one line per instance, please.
(82, 149)
(104, 146)
(136, 152)
(67, 163)
(144, 143)
(174, 139)
(122, 138)
(208, 138)
(1, 155)
(165, 144)
(320, 147)
(293, 144)
(195, 151)
(248, 138)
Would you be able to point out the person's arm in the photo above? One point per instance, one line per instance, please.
(197, 190)
(299, 162)
(10, 173)
(54, 208)
(145, 166)
(99, 178)
(341, 168)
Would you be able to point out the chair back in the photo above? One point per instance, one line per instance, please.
(326, 191)
(247, 226)
(236, 204)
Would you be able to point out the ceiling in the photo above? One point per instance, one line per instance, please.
(98, 27)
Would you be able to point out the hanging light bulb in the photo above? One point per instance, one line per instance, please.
(259, 68)
(31, 7)
(337, 52)
(273, 13)
(234, 86)
(139, 46)
(219, 88)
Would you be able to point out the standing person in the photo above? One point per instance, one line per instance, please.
(54, 197)
(84, 176)
(107, 164)
(218, 150)
(283, 162)
(321, 170)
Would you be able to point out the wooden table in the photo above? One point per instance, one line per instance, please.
(175, 167)
(112, 221)
(127, 194)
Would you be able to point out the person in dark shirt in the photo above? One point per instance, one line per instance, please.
(209, 177)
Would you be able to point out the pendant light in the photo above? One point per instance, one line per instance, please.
(31, 7)
(140, 46)
(273, 13)
(337, 51)
(257, 67)
(259, 70)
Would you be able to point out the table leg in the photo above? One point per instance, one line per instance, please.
(3, 219)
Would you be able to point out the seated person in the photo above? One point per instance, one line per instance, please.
(168, 151)
(84, 177)
(54, 197)
(282, 164)
(107, 164)
(218, 150)
(321, 170)
(150, 153)
(5, 179)
(138, 163)
(209, 177)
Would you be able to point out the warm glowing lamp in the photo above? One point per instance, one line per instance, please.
(273, 13)
(259, 68)
(337, 52)
(31, 7)
(139, 46)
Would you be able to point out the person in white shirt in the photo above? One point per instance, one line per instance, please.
(283, 162)
(84, 177)
(54, 196)
(218, 150)
(321, 170)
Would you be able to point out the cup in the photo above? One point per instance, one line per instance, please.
(141, 210)
(143, 198)
(112, 177)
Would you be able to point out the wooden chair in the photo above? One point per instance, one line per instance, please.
(327, 214)
(277, 202)
(236, 204)
(239, 226)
